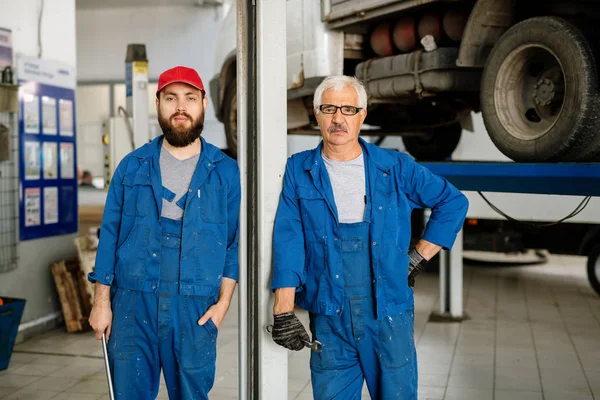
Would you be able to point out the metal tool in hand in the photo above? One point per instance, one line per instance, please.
(111, 392)
(315, 345)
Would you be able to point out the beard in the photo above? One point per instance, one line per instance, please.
(179, 136)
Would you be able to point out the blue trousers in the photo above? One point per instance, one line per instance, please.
(356, 346)
(154, 331)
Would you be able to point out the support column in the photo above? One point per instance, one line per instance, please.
(451, 282)
(262, 145)
(136, 82)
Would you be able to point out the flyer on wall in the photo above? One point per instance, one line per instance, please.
(31, 113)
(50, 160)
(32, 206)
(32, 161)
(66, 117)
(67, 161)
(49, 115)
(50, 205)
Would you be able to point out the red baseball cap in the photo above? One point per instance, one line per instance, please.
(179, 74)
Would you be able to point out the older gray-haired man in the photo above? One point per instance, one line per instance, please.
(341, 238)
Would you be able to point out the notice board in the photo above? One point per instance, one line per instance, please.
(47, 149)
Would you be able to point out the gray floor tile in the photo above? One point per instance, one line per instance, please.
(433, 380)
(31, 394)
(590, 359)
(431, 393)
(76, 372)
(567, 396)
(4, 391)
(433, 368)
(479, 350)
(593, 376)
(518, 378)
(54, 360)
(304, 396)
(558, 359)
(464, 369)
(473, 359)
(473, 379)
(297, 385)
(16, 381)
(77, 396)
(22, 358)
(89, 386)
(468, 394)
(223, 394)
(53, 384)
(99, 376)
(515, 357)
(13, 366)
(517, 395)
(563, 380)
(35, 369)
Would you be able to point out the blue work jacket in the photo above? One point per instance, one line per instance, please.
(130, 236)
(307, 252)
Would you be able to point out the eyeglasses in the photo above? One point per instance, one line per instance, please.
(346, 110)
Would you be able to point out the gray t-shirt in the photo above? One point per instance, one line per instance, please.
(348, 182)
(176, 176)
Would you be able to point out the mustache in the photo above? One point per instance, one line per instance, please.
(182, 114)
(336, 127)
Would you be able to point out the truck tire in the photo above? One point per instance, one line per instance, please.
(593, 268)
(539, 92)
(436, 145)
(230, 117)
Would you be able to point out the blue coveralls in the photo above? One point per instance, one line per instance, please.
(357, 292)
(159, 330)
(357, 346)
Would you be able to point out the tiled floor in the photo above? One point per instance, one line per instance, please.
(533, 334)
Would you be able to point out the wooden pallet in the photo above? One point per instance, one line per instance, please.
(87, 260)
(74, 298)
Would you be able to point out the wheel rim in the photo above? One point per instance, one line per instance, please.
(529, 91)
(597, 269)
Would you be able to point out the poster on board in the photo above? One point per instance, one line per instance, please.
(50, 160)
(31, 113)
(32, 161)
(67, 161)
(66, 117)
(32, 207)
(50, 205)
(49, 115)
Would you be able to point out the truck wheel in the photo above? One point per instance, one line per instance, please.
(436, 145)
(230, 117)
(539, 92)
(593, 268)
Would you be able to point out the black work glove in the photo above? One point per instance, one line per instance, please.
(417, 265)
(289, 332)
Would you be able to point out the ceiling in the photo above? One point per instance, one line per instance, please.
(98, 4)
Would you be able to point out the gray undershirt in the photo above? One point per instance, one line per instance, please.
(348, 182)
(176, 176)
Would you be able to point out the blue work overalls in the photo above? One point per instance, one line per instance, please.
(151, 331)
(357, 346)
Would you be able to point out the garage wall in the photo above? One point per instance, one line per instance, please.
(177, 35)
(32, 279)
